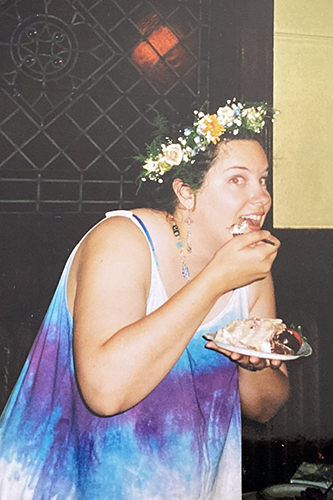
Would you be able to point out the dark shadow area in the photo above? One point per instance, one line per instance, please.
(33, 251)
(303, 429)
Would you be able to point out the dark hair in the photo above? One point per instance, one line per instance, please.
(161, 196)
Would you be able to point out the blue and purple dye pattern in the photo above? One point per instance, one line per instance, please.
(182, 442)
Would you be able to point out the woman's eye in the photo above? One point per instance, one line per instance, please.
(237, 179)
(263, 181)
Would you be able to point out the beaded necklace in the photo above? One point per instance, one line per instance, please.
(185, 269)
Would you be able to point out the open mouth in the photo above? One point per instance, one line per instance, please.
(246, 223)
(252, 221)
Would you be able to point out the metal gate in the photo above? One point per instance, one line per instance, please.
(79, 84)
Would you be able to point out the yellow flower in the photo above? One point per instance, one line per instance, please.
(209, 126)
(163, 166)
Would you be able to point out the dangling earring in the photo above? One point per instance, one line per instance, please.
(189, 233)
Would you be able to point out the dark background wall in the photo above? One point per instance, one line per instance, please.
(78, 83)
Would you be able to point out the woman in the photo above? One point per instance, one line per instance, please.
(118, 398)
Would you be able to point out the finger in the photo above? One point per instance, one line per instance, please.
(244, 240)
(234, 356)
(211, 345)
(261, 363)
(275, 363)
(271, 240)
(255, 359)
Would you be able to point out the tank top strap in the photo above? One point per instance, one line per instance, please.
(150, 241)
(139, 223)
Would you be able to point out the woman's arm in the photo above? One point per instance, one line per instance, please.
(263, 392)
(120, 353)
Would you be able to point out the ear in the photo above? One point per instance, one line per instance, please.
(185, 195)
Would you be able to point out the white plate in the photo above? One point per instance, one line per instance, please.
(305, 350)
(282, 491)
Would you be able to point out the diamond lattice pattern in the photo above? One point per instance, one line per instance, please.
(80, 82)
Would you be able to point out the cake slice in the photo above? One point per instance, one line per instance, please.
(260, 334)
(241, 227)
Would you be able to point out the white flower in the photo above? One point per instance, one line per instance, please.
(151, 165)
(225, 115)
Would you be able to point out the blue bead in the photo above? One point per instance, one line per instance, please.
(179, 244)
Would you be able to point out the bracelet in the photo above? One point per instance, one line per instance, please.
(249, 366)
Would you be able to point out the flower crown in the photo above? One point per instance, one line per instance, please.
(164, 154)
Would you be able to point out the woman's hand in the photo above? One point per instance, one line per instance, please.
(243, 260)
(251, 363)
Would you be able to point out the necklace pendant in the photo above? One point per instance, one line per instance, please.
(186, 272)
(176, 232)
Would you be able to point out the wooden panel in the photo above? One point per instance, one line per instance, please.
(303, 150)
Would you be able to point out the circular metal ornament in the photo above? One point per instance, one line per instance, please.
(44, 47)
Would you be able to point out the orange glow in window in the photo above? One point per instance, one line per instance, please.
(162, 39)
(145, 56)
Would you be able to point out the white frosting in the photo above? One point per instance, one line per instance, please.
(239, 228)
(253, 333)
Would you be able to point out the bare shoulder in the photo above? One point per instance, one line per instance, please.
(112, 229)
(116, 248)
(116, 240)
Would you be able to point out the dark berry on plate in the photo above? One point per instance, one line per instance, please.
(291, 339)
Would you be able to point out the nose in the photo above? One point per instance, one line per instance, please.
(260, 196)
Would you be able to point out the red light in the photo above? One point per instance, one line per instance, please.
(162, 40)
(160, 55)
(145, 56)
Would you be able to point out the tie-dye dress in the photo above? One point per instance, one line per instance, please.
(182, 442)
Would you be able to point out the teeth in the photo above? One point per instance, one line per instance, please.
(242, 225)
(251, 217)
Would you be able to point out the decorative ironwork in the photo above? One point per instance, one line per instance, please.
(79, 82)
(43, 47)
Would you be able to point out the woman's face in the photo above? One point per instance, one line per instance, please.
(234, 188)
